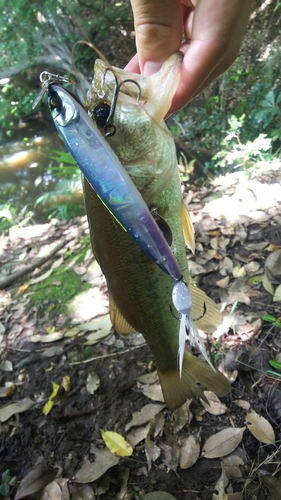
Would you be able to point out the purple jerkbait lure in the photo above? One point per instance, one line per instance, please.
(108, 178)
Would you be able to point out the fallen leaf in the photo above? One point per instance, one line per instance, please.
(171, 454)
(223, 443)
(182, 415)
(51, 492)
(189, 452)
(66, 383)
(36, 479)
(93, 383)
(226, 266)
(260, 427)
(148, 378)
(51, 329)
(137, 435)
(7, 390)
(116, 443)
(252, 267)
(239, 272)
(277, 294)
(235, 496)
(222, 487)
(273, 484)
(234, 463)
(152, 451)
(51, 337)
(215, 407)
(22, 289)
(223, 283)
(50, 403)
(6, 366)
(153, 392)
(267, 284)
(272, 247)
(242, 404)
(273, 262)
(40, 278)
(144, 415)
(8, 411)
(91, 471)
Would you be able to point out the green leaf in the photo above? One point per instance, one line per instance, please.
(269, 318)
(275, 364)
(4, 489)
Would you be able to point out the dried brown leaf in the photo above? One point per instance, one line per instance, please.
(190, 451)
(152, 451)
(260, 427)
(153, 392)
(7, 411)
(222, 487)
(223, 442)
(215, 407)
(273, 262)
(223, 283)
(267, 284)
(274, 486)
(37, 478)
(277, 294)
(242, 404)
(144, 415)
(91, 471)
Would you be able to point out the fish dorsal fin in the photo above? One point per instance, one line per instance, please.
(212, 317)
(118, 321)
(187, 226)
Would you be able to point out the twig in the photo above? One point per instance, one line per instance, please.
(11, 278)
(107, 355)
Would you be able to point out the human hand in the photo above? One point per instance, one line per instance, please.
(213, 31)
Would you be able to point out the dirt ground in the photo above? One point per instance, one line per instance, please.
(54, 328)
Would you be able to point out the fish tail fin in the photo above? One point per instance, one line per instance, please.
(177, 389)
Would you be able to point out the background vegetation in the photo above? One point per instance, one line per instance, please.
(235, 123)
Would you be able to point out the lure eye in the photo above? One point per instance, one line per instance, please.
(55, 102)
(101, 113)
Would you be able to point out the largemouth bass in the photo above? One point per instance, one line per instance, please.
(140, 293)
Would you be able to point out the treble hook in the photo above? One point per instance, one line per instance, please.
(109, 122)
(193, 319)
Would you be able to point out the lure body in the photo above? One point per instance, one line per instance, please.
(109, 179)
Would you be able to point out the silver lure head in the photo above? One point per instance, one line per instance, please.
(182, 298)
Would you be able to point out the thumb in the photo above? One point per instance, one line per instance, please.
(158, 29)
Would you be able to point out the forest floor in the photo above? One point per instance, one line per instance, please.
(65, 375)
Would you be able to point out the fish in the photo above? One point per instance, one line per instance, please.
(139, 291)
(130, 248)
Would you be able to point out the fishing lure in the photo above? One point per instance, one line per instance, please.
(108, 178)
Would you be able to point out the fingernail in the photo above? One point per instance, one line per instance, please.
(151, 67)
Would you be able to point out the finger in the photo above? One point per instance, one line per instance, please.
(158, 31)
(133, 64)
(216, 34)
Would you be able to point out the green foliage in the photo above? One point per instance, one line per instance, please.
(10, 217)
(251, 155)
(272, 319)
(6, 482)
(60, 202)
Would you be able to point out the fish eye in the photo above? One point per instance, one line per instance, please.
(101, 113)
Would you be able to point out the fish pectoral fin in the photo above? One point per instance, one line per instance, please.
(118, 321)
(212, 318)
(187, 226)
(176, 389)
